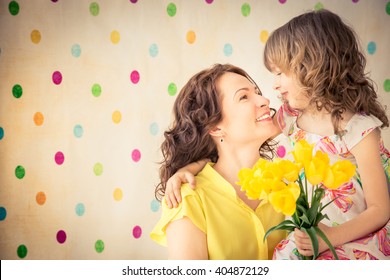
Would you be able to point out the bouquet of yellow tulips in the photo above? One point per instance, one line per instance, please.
(283, 183)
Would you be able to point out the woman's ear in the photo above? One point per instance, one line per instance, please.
(216, 132)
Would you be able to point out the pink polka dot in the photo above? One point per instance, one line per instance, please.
(59, 158)
(134, 77)
(57, 77)
(209, 1)
(282, 1)
(133, 1)
(136, 155)
(281, 151)
(61, 236)
(137, 232)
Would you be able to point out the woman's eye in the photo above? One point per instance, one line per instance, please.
(258, 92)
(242, 97)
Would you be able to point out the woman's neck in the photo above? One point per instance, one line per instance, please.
(230, 163)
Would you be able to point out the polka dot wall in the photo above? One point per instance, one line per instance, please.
(87, 89)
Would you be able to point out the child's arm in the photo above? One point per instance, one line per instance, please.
(185, 174)
(186, 241)
(374, 184)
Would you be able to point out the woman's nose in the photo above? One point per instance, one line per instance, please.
(262, 101)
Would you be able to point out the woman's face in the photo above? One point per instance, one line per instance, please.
(289, 90)
(245, 112)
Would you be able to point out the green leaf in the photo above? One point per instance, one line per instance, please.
(296, 219)
(314, 240)
(302, 208)
(304, 218)
(312, 213)
(285, 225)
(323, 236)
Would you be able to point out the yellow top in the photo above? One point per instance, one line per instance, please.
(233, 229)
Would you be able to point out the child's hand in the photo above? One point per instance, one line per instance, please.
(303, 242)
(172, 191)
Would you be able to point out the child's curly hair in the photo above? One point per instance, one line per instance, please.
(323, 53)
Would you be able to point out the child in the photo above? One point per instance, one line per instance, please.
(329, 101)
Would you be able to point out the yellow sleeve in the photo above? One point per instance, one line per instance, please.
(190, 207)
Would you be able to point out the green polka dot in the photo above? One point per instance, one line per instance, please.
(386, 85)
(99, 246)
(245, 9)
(98, 169)
(171, 9)
(172, 89)
(20, 172)
(17, 91)
(318, 6)
(94, 8)
(22, 251)
(388, 8)
(13, 8)
(96, 90)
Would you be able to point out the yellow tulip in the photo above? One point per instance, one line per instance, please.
(318, 168)
(340, 173)
(285, 200)
(289, 170)
(303, 152)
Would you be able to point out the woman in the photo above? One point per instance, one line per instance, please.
(219, 114)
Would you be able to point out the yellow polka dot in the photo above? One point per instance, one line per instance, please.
(35, 36)
(38, 118)
(191, 36)
(116, 117)
(264, 36)
(118, 194)
(115, 37)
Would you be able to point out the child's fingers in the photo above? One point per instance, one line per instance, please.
(190, 178)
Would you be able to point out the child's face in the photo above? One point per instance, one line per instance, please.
(289, 89)
(246, 114)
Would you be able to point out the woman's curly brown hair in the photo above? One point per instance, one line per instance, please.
(323, 53)
(197, 110)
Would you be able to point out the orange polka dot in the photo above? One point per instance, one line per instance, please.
(191, 36)
(41, 198)
(38, 118)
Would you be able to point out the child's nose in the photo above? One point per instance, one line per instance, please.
(276, 84)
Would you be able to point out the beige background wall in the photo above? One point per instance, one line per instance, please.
(86, 91)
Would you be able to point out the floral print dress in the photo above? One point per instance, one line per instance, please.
(350, 202)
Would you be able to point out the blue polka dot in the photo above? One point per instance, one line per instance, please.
(80, 209)
(228, 49)
(76, 50)
(371, 47)
(154, 128)
(78, 131)
(1, 133)
(153, 50)
(3, 213)
(155, 205)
